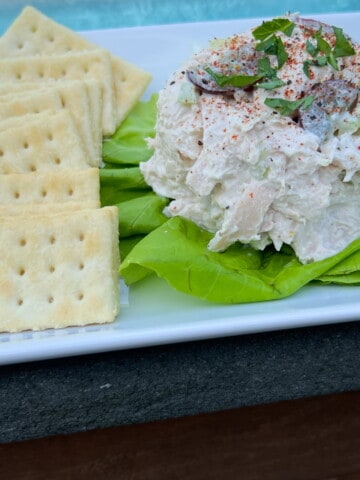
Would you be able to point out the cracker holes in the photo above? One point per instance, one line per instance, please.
(43, 193)
(20, 302)
(16, 195)
(21, 271)
(51, 268)
(32, 168)
(50, 136)
(81, 266)
(70, 192)
(18, 75)
(81, 237)
(57, 160)
(80, 296)
(33, 28)
(20, 46)
(1, 152)
(22, 242)
(50, 299)
(51, 38)
(25, 145)
(52, 239)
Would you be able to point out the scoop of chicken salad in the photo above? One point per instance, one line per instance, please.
(257, 139)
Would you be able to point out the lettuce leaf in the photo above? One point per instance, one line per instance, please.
(128, 144)
(141, 215)
(176, 249)
(122, 183)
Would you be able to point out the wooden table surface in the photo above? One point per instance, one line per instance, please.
(309, 439)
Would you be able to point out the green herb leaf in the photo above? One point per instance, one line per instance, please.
(288, 107)
(311, 48)
(271, 84)
(239, 81)
(265, 69)
(319, 61)
(271, 81)
(276, 25)
(343, 47)
(268, 46)
(274, 46)
(281, 53)
(322, 44)
(306, 67)
(332, 61)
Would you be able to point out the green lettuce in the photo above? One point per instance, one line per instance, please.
(141, 215)
(128, 145)
(122, 183)
(176, 249)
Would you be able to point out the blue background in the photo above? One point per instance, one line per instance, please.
(91, 14)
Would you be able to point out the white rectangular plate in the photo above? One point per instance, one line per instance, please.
(153, 313)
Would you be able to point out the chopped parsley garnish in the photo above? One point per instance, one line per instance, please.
(321, 51)
(323, 54)
(265, 69)
(265, 72)
(239, 81)
(343, 47)
(288, 107)
(271, 81)
(274, 46)
(319, 61)
(311, 48)
(269, 42)
(271, 84)
(270, 27)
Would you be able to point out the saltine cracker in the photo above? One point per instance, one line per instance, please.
(64, 187)
(34, 102)
(92, 65)
(33, 33)
(54, 277)
(84, 101)
(42, 142)
(32, 209)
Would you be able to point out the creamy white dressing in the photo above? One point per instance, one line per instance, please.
(246, 173)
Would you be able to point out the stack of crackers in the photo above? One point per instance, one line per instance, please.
(59, 96)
